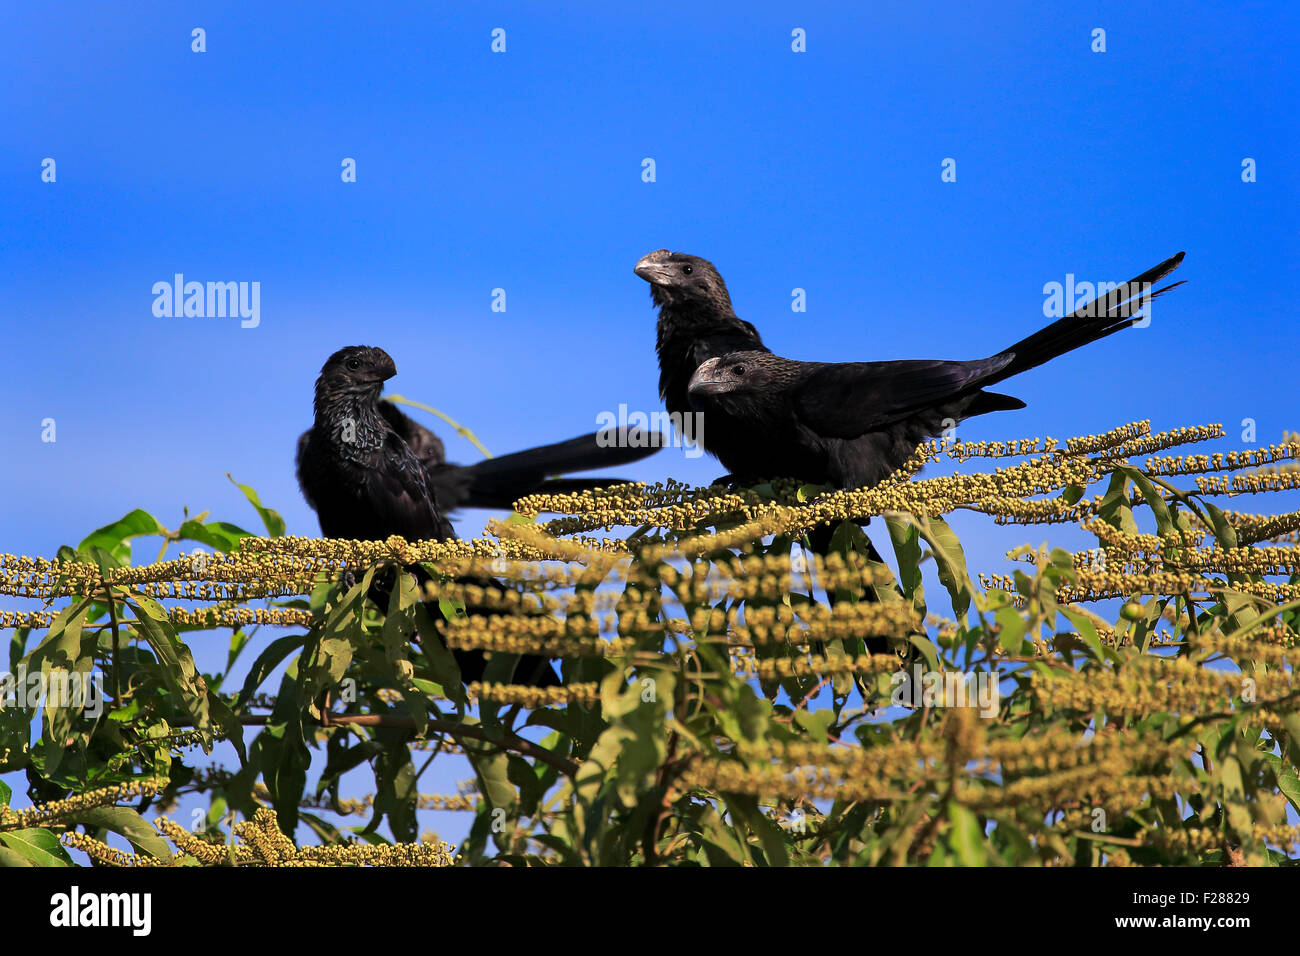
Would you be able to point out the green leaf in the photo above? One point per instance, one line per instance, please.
(39, 846)
(330, 646)
(271, 519)
(1115, 509)
(815, 722)
(70, 651)
(218, 535)
(950, 562)
(1234, 795)
(494, 780)
(1288, 781)
(1012, 635)
(399, 625)
(966, 836)
(225, 719)
(63, 647)
(1155, 501)
(1087, 633)
(441, 661)
(174, 659)
(396, 792)
(927, 649)
(907, 547)
(128, 823)
(271, 657)
(772, 838)
(114, 537)
(1224, 532)
(722, 846)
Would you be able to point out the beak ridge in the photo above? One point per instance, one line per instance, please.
(651, 266)
(704, 381)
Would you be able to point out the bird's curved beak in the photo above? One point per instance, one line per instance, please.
(708, 379)
(653, 266)
(386, 368)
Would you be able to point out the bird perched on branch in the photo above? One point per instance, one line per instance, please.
(851, 424)
(844, 424)
(847, 425)
(366, 483)
(696, 325)
(501, 481)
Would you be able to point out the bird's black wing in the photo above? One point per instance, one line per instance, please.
(848, 399)
(399, 497)
(423, 443)
(303, 441)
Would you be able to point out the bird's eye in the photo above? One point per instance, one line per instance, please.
(686, 270)
(737, 370)
(354, 364)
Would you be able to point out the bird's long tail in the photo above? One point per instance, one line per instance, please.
(499, 482)
(1117, 309)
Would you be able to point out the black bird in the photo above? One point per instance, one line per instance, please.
(697, 324)
(366, 483)
(845, 425)
(500, 482)
(851, 424)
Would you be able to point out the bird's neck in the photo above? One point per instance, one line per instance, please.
(678, 330)
(682, 319)
(684, 324)
(351, 422)
(688, 336)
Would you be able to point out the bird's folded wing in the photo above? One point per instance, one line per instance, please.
(848, 399)
(425, 444)
(400, 499)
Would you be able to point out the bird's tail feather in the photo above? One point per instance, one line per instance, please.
(499, 482)
(1105, 315)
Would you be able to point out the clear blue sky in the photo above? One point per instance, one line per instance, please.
(819, 170)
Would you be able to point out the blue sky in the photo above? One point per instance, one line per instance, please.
(818, 170)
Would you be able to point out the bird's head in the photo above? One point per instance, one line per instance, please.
(357, 369)
(726, 374)
(683, 281)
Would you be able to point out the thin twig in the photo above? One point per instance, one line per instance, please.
(453, 728)
(403, 400)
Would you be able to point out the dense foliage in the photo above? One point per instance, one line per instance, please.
(718, 708)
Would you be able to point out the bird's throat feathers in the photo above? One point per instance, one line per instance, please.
(351, 420)
(679, 329)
